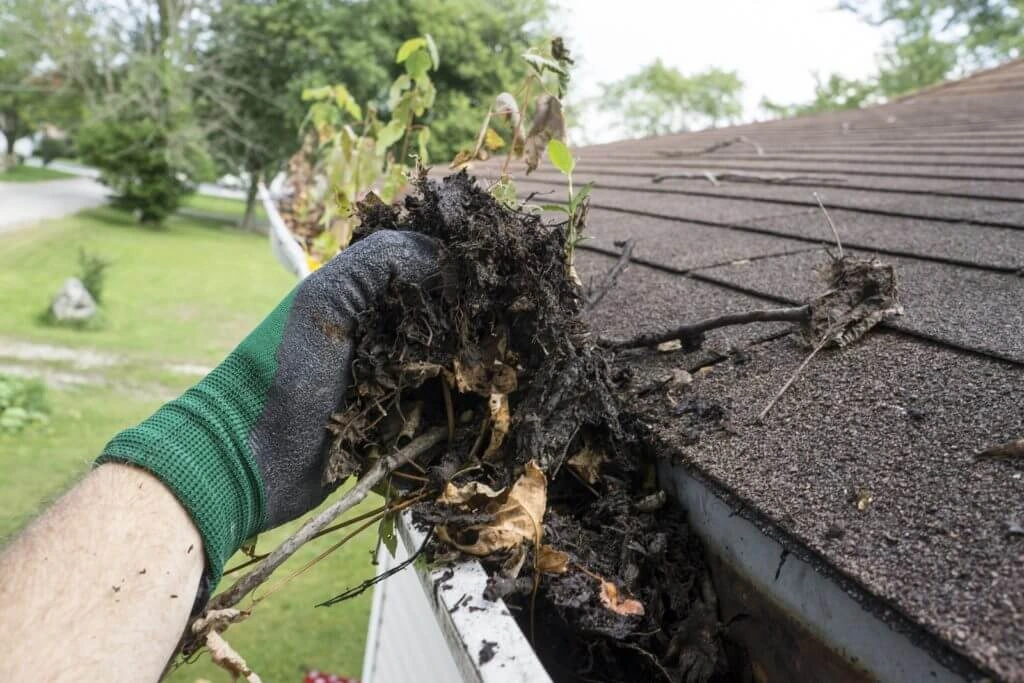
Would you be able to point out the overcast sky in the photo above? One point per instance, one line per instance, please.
(774, 45)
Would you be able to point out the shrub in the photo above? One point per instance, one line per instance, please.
(133, 158)
(22, 403)
(92, 271)
(52, 148)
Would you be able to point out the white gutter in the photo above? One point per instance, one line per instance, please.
(284, 245)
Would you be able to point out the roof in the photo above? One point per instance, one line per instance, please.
(932, 183)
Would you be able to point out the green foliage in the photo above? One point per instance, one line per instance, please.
(361, 151)
(22, 403)
(834, 93)
(931, 41)
(659, 99)
(561, 158)
(50, 148)
(132, 156)
(146, 142)
(92, 271)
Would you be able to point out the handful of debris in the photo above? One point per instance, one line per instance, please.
(480, 401)
(536, 477)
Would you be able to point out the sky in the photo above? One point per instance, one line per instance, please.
(774, 45)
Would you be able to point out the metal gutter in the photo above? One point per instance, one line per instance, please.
(849, 633)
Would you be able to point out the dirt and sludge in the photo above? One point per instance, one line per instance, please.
(544, 476)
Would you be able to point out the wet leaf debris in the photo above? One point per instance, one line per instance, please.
(542, 475)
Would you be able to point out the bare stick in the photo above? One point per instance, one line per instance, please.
(373, 476)
(792, 378)
(742, 139)
(612, 276)
(832, 225)
(744, 177)
(693, 331)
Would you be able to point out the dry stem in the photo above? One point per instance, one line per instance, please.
(692, 332)
(612, 276)
(313, 527)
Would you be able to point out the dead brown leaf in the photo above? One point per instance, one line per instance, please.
(587, 463)
(617, 602)
(474, 495)
(548, 122)
(551, 561)
(225, 656)
(1010, 449)
(517, 518)
(500, 420)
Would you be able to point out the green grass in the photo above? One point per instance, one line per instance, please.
(221, 206)
(184, 293)
(31, 174)
(188, 291)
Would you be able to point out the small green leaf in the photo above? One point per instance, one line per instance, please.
(390, 134)
(580, 196)
(560, 156)
(321, 93)
(540, 63)
(422, 138)
(560, 208)
(387, 533)
(408, 48)
(417, 64)
(401, 84)
(504, 191)
(432, 49)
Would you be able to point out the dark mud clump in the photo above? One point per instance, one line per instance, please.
(541, 478)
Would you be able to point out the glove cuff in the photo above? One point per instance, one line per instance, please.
(196, 445)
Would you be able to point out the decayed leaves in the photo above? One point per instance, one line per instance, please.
(225, 656)
(1010, 449)
(551, 561)
(500, 420)
(618, 602)
(861, 293)
(548, 123)
(587, 464)
(517, 515)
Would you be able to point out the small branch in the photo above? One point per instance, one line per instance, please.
(612, 276)
(792, 378)
(693, 332)
(310, 529)
(835, 233)
(744, 177)
(371, 582)
(741, 140)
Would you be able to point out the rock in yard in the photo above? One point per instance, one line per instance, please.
(73, 303)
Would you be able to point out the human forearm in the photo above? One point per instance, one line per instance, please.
(102, 584)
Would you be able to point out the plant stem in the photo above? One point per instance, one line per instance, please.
(693, 331)
(310, 529)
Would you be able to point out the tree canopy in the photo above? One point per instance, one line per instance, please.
(932, 41)
(660, 99)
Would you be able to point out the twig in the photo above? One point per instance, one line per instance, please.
(612, 276)
(793, 377)
(835, 233)
(745, 177)
(449, 410)
(742, 139)
(373, 581)
(693, 332)
(310, 529)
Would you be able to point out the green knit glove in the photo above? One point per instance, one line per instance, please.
(243, 450)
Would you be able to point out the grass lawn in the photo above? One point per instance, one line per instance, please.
(31, 174)
(221, 206)
(186, 293)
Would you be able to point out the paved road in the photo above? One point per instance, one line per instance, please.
(23, 204)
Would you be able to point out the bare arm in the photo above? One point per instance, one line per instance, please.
(100, 586)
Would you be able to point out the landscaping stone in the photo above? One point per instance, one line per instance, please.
(73, 303)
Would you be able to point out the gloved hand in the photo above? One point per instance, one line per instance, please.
(243, 450)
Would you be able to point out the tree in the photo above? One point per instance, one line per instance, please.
(834, 93)
(260, 57)
(659, 99)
